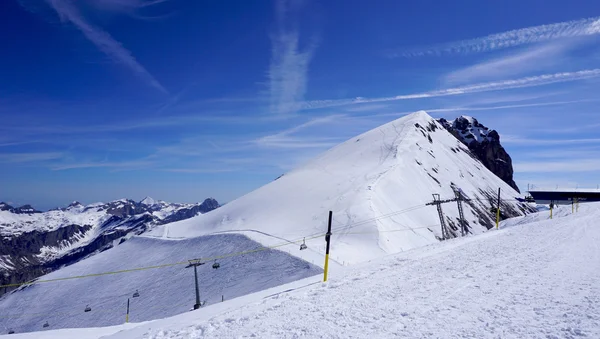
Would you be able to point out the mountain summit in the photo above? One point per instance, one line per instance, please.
(377, 185)
(485, 144)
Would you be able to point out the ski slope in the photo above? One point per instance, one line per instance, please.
(163, 291)
(376, 184)
(533, 278)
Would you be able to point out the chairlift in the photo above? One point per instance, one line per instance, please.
(136, 294)
(11, 331)
(216, 265)
(303, 245)
(46, 324)
(87, 308)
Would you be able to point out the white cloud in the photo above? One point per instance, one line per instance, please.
(570, 165)
(517, 37)
(109, 46)
(115, 165)
(511, 139)
(532, 81)
(284, 139)
(486, 108)
(29, 157)
(514, 64)
(289, 64)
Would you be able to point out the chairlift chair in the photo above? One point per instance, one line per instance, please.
(216, 265)
(11, 331)
(87, 308)
(136, 294)
(46, 324)
(303, 245)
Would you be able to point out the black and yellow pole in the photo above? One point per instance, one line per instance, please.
(551, 207)
(498, 210)
(328, 239)
(127, 314)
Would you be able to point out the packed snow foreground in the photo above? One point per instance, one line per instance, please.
(532, 278)
(377, 185)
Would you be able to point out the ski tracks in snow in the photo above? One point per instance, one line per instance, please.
(536, 280)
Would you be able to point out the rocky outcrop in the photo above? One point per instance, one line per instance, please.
(485, 146)
(25, 209)
(186, 213)
(5, 207)
(21, 254)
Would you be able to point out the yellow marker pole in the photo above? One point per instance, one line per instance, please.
(498, 210)
(551, 207)
(328, 239)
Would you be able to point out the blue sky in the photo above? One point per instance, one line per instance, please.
(181, 100)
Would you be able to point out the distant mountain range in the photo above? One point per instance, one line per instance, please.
(33, 243)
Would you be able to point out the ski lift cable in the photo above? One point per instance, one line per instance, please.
(229, 255)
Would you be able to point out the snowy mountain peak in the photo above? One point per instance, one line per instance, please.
(468, 129)
(148, 201)
(75, 204)
(378, 173)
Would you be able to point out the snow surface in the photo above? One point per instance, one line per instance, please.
(12, 224)
(533, 278)
(163, 291)
(381, 172)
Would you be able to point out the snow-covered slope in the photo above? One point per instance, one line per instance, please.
(534, 278)
(366, 181)
(163, 291)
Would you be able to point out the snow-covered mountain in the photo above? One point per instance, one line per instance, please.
(377, 184)
(33, 243)
(533, 278)
(485, 144)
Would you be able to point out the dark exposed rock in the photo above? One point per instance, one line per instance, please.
(25, 209)
(5, 207)
(186, 213)
(485, 146)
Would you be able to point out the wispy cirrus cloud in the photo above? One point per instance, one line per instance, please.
(513, 38)
(68, 12)
(288, 70)
(565, 166)
(285, 138)
(512, 139)
(114, 165)
(532, 81)
(29, 157)
(486, 108)
(531, 59)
